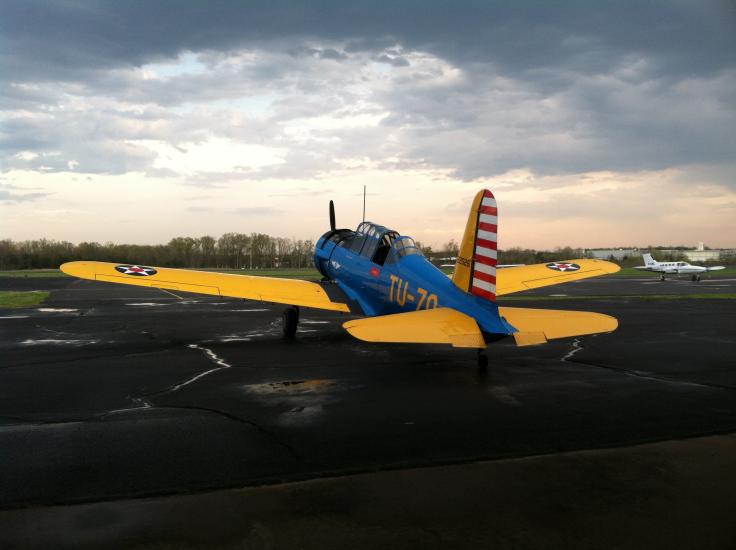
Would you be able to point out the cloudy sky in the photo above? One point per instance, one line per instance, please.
(594, 123)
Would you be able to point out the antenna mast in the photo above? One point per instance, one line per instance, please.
(364, 203)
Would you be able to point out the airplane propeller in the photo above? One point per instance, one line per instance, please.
(332, 216)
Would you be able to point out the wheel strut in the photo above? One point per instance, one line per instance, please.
(291, 320)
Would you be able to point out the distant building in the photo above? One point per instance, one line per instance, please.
(611, 253)
(702, 255)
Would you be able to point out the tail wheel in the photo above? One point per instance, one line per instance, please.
(291, 320)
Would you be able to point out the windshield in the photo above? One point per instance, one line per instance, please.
(404, 246)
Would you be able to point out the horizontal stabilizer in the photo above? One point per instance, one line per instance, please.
(527, 277)
(536, 326)
(267, 289)
(529, 338)
(429, 326)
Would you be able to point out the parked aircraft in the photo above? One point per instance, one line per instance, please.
(380, 274)
(674, 268)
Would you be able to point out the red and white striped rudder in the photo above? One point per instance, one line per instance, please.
(486, 249)
(475, 269)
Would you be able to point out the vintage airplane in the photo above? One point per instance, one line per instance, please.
(382, 275)
(675, 268)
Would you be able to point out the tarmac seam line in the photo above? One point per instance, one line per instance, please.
(577, 346)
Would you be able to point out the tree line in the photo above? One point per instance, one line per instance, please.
(517, 255)
(514, 255)
(231, 250)
(242, 251)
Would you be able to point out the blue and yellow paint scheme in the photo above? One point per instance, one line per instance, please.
(380, 274)
(398, 279)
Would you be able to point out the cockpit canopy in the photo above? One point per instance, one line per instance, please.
(379, 244)
(405, 246)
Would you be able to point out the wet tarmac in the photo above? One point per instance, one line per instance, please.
(109, 392)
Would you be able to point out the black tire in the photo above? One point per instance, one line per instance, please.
(290, 322)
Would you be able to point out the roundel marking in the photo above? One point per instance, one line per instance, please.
(136, 270)
(563, 266)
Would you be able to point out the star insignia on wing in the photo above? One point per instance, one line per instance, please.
(563, 266)
(136, 270)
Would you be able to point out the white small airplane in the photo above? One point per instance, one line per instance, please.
(675, 268)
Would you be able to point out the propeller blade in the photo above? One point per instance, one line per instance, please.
(332, 216)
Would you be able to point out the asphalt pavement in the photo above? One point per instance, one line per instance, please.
(110, 392)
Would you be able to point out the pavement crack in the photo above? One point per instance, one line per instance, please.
(212, 356)
(108, 355)
(230, 416)
(143, 403)
(576, 347)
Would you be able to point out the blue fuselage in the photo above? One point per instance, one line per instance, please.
(397, 279)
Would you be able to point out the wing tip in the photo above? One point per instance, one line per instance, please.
(72, 268)
(611, 267)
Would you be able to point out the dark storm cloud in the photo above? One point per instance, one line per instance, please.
(557, 87)
(62, 39)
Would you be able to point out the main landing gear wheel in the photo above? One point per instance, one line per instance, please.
(696, 278)
(291, 320)
(482, 361)
(661, 277)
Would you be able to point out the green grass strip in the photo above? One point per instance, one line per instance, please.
(33, 273)
(22, 299)
(630, 272)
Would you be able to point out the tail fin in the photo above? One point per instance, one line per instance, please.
(475, 270)
(648, 260)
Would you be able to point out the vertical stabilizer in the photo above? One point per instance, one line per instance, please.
(648, 260)
(475, 269)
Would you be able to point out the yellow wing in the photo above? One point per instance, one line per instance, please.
(517, 279)
(429, 326)
(536, 326)
(267, 289)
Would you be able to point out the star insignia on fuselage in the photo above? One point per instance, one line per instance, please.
(563, 266)
(136, 270)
